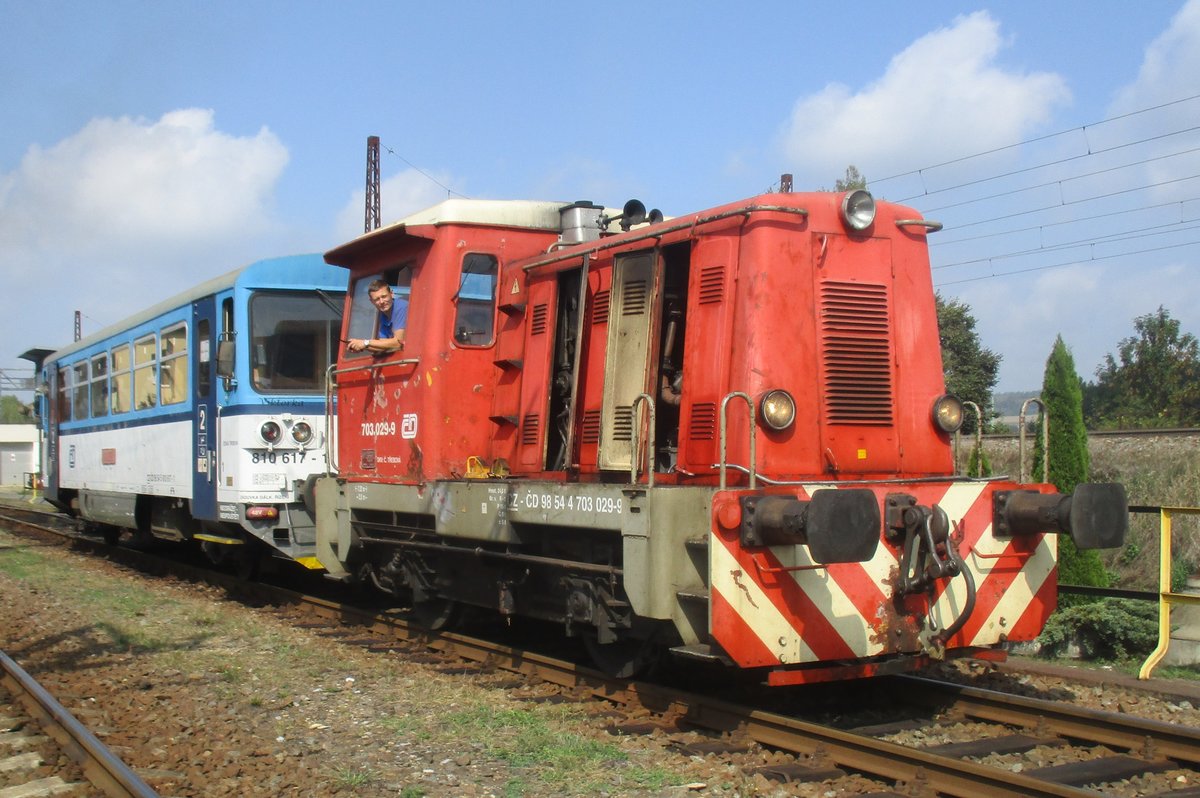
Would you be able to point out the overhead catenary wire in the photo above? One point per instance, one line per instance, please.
(449, 191)
(1039, 206)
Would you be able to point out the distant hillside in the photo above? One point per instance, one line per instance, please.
(1009, 403)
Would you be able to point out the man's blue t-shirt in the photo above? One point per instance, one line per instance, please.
(396, 320)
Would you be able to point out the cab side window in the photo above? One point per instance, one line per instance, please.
(476, 301)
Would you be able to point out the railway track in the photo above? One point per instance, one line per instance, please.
(30, 721)
(1008, 733)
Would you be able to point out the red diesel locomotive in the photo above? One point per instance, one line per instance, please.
(724, 436)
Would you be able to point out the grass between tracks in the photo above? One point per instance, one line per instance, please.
(379, 722)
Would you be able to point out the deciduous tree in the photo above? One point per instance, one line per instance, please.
(1154, 380)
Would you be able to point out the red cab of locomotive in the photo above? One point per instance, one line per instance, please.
(723, 435)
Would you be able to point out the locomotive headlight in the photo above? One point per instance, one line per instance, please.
(302, 432)
(948, 413)
(270, 432)
(777, 409)
(858, 209)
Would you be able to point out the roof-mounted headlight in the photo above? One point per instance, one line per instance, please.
(777, 409)
(858, 209)
(948, 413)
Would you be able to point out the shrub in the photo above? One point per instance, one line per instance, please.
(1109, 629)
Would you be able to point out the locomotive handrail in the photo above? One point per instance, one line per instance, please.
(330, 427)
(330, 384)
(978, 440)
(753, 437)
(658, 232)
(636, 460)
(1045, 440)
(928, 224)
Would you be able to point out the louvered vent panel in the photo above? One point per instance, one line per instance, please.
(591, 426)
(529, 429)
(712, 285)
(537, 326)
(856, 369)
(600, 308)
(634, 298)
(623, 423)
(702, 425)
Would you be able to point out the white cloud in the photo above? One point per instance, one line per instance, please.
(121, 182)
(124, 213)
(943, 96)
(1170, 65)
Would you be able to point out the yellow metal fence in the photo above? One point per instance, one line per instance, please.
(1166, 598)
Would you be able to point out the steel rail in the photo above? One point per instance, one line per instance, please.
(944, 774)
(103, 768)
(1178, 742)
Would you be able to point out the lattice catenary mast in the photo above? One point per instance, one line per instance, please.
(371, 220)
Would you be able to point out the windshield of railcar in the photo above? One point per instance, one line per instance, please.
(294, 337)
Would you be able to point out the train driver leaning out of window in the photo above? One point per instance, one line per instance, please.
(393, 317)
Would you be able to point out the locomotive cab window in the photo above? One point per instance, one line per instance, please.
(476, 301)
(365, 316)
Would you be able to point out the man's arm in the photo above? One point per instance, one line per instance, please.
(378, 345)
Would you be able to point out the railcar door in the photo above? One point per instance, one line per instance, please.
(204, 421)
(52, 417)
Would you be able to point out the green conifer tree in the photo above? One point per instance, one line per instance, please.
(1062, 394)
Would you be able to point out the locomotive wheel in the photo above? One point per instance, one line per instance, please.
(436, 614)
(625, 658)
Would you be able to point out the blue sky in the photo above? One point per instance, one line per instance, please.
(146, 146)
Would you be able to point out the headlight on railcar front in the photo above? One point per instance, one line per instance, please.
(777, 409)
(858, 209)
(948, 413)
(270, 432)
(302, 432)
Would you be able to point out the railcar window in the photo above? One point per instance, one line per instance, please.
(64, 396)
(203, 358)
(145, 382)
(364, 318)
(295, 337)
(99, 386)
(173, 369)
(476, 300)
(79, 391)
(121, 379)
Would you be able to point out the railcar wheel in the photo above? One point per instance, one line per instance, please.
(436, 614)
(625, 658)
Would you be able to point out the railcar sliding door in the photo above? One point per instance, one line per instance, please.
(204, 426)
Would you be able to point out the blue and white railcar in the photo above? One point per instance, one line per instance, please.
(203, 417)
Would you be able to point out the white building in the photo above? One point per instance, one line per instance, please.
(18, 452)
